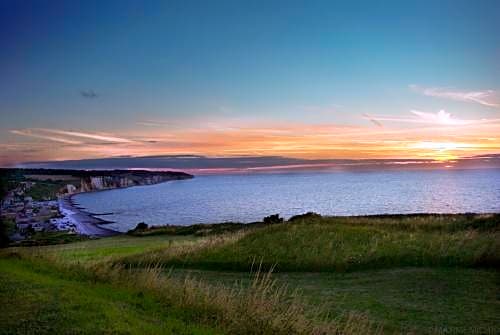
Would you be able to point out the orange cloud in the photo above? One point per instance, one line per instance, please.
(439, 140)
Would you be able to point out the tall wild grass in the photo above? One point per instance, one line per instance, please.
(263, 308)
(345, 244)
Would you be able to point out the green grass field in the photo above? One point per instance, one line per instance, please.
(112, 247)
(410, 275)
(347, 244)
(417, 300)
(36, 299)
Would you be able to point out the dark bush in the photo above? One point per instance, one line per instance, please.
(275, 218)
(308, 215)
(141, 226)
(29, 230)
(4, 234)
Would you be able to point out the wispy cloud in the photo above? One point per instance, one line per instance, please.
(90, 94)
(153, 123)
(373, 120)
(441, 118)
(73, 137)
(490, 98)
(30, 133)
(93, 136)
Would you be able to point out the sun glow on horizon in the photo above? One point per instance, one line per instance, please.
(229, 138)
(442, 151)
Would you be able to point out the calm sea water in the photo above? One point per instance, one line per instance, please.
(247, 198)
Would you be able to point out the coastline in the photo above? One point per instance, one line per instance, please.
(85, 223)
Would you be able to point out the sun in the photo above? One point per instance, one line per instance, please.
(441, 151)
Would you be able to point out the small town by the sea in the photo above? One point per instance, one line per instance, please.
(39, 200)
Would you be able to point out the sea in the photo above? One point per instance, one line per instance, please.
(250, 197)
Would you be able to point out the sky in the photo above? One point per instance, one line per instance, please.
(306, 80)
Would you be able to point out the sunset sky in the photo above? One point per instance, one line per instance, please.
(308, 80)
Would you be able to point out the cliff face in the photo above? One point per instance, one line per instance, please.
(94, 183)
(60, 182)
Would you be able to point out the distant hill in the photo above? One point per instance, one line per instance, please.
(47, 184)
(93, 173)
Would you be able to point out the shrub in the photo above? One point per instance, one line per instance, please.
(141, 226)
(4, 234)
(275, 218)
(305, 216)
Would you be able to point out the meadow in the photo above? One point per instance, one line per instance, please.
(412, 274)
(346, 244)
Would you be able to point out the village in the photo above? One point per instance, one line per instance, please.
(30, 216)
(40, 200)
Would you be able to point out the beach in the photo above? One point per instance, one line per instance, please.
(85, 223)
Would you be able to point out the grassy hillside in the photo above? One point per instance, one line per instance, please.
(347, 244)
(262, 307)
(38, 300)
(401, 274)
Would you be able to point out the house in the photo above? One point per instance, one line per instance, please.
(8, 200)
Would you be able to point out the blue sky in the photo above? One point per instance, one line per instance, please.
(269, 61)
